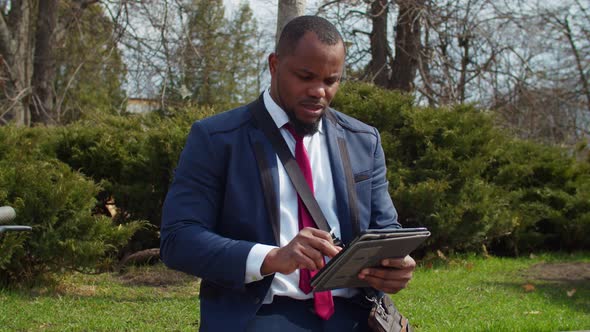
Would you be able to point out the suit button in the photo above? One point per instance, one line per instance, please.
(257, 300)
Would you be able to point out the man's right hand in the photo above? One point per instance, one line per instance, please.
(305, 251)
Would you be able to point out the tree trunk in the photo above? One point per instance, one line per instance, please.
(464, 43)
(42, 106)
(138, 258)
(288, 10)
(407, 45)
(579, 65)
(16, 48)
(378, 68)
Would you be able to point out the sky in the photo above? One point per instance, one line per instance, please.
(265, 10)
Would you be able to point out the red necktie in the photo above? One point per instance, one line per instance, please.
(323, 301)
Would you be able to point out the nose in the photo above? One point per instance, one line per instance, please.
(317, 91)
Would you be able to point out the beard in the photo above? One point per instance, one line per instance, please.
(303, 128)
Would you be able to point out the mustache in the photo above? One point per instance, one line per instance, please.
(314, 102)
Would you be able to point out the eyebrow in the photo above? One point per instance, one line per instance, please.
(310, 72)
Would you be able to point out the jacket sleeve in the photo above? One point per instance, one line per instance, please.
(191, 213)
(383, 213)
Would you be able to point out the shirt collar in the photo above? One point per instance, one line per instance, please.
(278, 115)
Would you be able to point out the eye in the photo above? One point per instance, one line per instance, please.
(332, 80)
(305, 77)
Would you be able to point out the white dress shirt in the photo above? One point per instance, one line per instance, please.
(317, 150)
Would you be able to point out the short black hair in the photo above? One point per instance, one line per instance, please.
(297, 27)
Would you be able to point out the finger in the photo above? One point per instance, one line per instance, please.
(387, 286)
(319, 233)
(387, 274)
(387, 280)
(315, 257)
(289, 258)
(327, 248)
(319, 240)
(302, 250)
(406, 263)
(303, 261)
(397, 263)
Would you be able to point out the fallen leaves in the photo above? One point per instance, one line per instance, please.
(532, 312)
(571, 292)
(528, 287)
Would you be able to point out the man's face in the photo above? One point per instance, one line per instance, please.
(304, 83)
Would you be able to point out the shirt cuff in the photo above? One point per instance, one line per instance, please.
(254, 261)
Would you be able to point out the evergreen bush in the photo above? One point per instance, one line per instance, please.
(452, 171)
(133, 157)
(549, 195)
(57, 202)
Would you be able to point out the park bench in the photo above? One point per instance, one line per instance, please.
(7, 214)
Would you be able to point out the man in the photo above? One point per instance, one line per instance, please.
(217, 225)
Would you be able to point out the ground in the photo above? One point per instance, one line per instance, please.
(158, 277)
(560, 272)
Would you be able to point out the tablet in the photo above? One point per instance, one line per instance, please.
(367, 250)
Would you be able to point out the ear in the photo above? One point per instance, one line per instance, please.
(273, 63)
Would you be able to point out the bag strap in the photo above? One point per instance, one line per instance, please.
(270, 130)
(350, 187)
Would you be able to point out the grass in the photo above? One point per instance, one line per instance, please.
(459, 294)
(143, 299)
(498, 294)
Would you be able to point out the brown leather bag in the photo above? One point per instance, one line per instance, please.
(384, 316)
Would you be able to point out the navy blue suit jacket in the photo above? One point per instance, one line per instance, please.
(215, 209)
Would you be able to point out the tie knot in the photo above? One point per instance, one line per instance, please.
(290, 128)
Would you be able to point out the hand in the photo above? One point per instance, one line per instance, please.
(393, 275)
(305, 251)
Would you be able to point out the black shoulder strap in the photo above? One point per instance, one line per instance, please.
(351, 188)
(270, 130)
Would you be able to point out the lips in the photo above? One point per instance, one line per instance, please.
(312, 108)
(311, 112)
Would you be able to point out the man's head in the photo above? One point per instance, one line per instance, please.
(306, 69)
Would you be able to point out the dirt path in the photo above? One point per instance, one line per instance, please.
(560, 272)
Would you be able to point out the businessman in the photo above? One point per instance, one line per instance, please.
(255, 246)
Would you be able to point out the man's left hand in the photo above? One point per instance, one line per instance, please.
(393, 275)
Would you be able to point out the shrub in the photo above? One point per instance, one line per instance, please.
(133, 157)
(548, 192)
(452, 171)
(57, 202)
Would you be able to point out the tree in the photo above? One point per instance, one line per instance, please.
(189, 52)
(29, 31)
(288, 10)
(215, 60)
(204, 51)
(44, 63)
(378, 67)
(16, 49)
(86, 80)
(541, 92)
(241, 81)
(407, 44)
(391, 67)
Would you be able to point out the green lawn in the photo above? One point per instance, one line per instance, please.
(499, 294)
(154, 299)
(458, 294)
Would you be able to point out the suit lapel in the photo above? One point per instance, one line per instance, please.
(269, 176)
